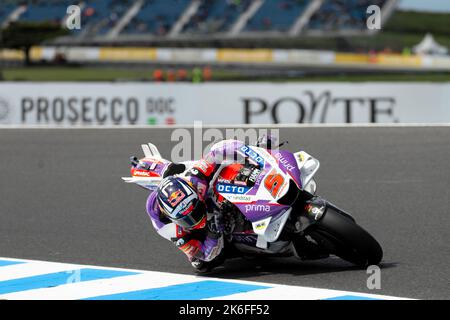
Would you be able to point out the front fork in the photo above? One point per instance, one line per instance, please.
(309, 210)
(306, 211)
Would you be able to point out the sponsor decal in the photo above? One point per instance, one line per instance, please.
(204, 167)
(239, 198)
(315, 107)
(230, 188)
(143, 173)
(257, 208)
(96, 110)
(260, 226)
(254, 175)
(253, 155)
(140, 173)
(176, 197)
(285, 162)
(259, 178)
(316, 211)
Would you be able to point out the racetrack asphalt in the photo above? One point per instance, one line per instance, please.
(62, 200)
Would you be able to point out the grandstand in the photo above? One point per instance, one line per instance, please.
(114, 20)
(155, 17)
(239, 39)
(215, 16)
(352, 15)
(276, 15)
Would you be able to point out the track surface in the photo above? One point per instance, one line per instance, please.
(62, 200)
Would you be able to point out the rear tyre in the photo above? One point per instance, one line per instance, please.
(341, 236)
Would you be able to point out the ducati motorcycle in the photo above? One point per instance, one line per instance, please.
(276, 212)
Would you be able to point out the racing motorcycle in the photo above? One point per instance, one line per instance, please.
(276, 213)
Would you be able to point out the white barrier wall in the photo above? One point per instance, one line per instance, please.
(222, 103)
(291, 57)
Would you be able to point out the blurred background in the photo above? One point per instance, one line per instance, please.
(231, 40)
(303, 43)
(144, 66)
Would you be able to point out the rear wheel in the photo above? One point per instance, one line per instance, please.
(341, 236)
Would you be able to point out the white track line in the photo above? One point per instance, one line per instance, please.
(87, 289)
(280, 292)
(148, 280)
(25, 270)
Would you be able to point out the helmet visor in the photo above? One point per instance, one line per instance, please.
(193, 217)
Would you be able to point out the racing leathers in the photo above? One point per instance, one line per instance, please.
(205, 243)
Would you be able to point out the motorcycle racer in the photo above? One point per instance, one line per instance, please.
(265, 205)
(182, 211)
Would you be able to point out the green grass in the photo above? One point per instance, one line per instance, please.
(419, 22)
(143, 74)
(90, 74)
(427, 77)
(74, 74)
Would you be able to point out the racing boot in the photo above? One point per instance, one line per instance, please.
(200, 266)
(204, 266)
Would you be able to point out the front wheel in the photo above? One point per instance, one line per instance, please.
(341, 236)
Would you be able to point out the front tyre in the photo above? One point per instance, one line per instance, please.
(341, 236)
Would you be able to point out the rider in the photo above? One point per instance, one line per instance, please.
(182, 212)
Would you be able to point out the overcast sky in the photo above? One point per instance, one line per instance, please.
(425, 5)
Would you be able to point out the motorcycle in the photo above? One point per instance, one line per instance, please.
(277, 212)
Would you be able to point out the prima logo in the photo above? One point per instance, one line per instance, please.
(257, 208)
(73, 20)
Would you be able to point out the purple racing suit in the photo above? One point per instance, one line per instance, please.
(206, 242)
